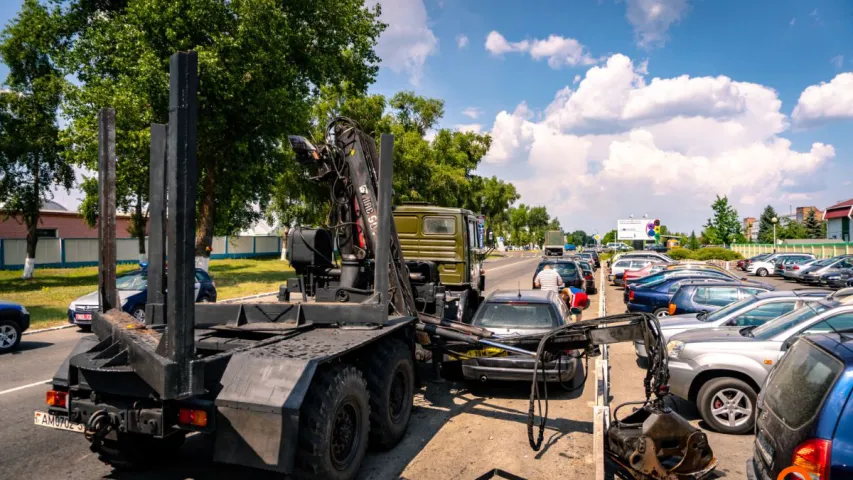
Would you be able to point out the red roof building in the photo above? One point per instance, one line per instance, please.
(57, 222)
(838, 221)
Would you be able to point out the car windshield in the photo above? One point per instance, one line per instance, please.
(824, 262)
(783, 323)
(516, 315)
(725, 311)
(564, 269)
(133, 281)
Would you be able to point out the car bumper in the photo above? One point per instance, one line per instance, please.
(640, 349)
(755, 471)
(636, 307)
(681, 376)
(72, 318)
(25, 322)
(517, 368)
(810, 280)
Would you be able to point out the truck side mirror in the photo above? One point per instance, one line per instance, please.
(789, 342)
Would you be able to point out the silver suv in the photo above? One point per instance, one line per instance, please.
(722, 370)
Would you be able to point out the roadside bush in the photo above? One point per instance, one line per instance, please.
(716, 253)
(681, 254)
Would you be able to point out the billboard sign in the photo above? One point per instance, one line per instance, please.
(632, 229)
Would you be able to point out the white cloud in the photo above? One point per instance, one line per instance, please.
(559, 51)
(825, 102)
(472, 112)
(469, 127)
(793, 21)
(407, 41)
(837, 61)
(577, 79)
(626, 144)
(652, 18)
(461, 41)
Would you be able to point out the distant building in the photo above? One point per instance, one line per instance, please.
(838, 221)
(803, 213)
(750, 229)
(57, 222)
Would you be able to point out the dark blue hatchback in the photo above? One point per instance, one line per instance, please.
(133, 294)
(655, 297)
(804, 413)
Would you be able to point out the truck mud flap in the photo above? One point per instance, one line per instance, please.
(258, 410)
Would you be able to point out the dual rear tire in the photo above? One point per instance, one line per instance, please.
(345, 410)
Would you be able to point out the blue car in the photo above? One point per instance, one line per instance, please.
(133, 294)
(655, 297)
(691, 298)
(14, 320)
(804, 413)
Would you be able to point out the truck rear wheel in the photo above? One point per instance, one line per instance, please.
(333, 425)
(391, 383)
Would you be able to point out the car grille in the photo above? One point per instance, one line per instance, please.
(86, 308)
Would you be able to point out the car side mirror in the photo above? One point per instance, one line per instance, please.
(789, 342)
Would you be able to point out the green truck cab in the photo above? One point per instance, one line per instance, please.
(449, 238)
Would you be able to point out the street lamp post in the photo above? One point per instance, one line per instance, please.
(774, 220)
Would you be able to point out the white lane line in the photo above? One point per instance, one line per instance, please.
(25, 386)
(50, 329)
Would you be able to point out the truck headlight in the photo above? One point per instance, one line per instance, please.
(674, 347)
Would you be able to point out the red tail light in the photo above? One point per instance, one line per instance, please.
(796, 267)
(630, 295)
(813, 455)
(189, 416)
(588, 277)
(56, 399)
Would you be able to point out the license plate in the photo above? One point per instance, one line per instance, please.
(765, 448)
(83, 316)
(44, 419)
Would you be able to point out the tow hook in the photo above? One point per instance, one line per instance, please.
(100, 424)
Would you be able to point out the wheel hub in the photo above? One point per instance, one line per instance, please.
(344, 435)
(397, 398)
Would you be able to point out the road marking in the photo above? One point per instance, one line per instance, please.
(601, 411)
(25, 386)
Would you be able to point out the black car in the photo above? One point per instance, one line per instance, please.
(588, 275)
(570, 271)
(510, 313)
(14, 320)
(838, 279)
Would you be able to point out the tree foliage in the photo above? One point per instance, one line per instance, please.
(31, 163)
(723, 226)
(813, 227)
(261, 63)
(765, 224)
(609, 237)
(692, 242)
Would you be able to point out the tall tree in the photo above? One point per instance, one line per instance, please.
(692, 242)
(790, 228)
(813, 226)
(260, 66)
(765, 224)
(518, 224)
(724, 224)
(609, 237)
(31, 161)
(578, 237)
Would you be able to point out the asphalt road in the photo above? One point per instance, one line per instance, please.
(36, 452)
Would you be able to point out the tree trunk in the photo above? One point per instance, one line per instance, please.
(31, 219)
(206, 216)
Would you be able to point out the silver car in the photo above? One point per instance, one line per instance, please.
(813, 274)
(722, 370)
(793, 270)
(751, 311)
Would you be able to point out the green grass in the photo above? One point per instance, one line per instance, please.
(49, 293)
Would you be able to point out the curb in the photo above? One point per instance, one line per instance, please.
(248, 297)
(601, 410)
(49, 329)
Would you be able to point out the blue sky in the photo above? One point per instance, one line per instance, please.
(664, 103)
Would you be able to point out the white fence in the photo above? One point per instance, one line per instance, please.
(80, 252)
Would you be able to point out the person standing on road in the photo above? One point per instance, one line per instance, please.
(548, 279)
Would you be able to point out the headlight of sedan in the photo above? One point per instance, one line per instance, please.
(833, 277)
(674, 347)
(123, 302)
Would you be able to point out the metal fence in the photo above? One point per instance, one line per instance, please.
(83, 252)
(820, 250)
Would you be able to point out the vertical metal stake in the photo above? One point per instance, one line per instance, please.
(107, 294)
(154, 313)
(181, 167)
(383, 242)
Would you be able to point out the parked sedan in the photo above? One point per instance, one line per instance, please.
(624, 264)
(697, 298)
(767, 265)
(591, 257)
(814, 273)
(744, 264)
(782, 262)
(588, 276)
(794, 270)
(655, 298)
(837, 279)
(512, 313)
(751, 311)
(133, 294)
(722, 370)
(14, 320)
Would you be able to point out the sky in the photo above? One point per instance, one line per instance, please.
(603, 109)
